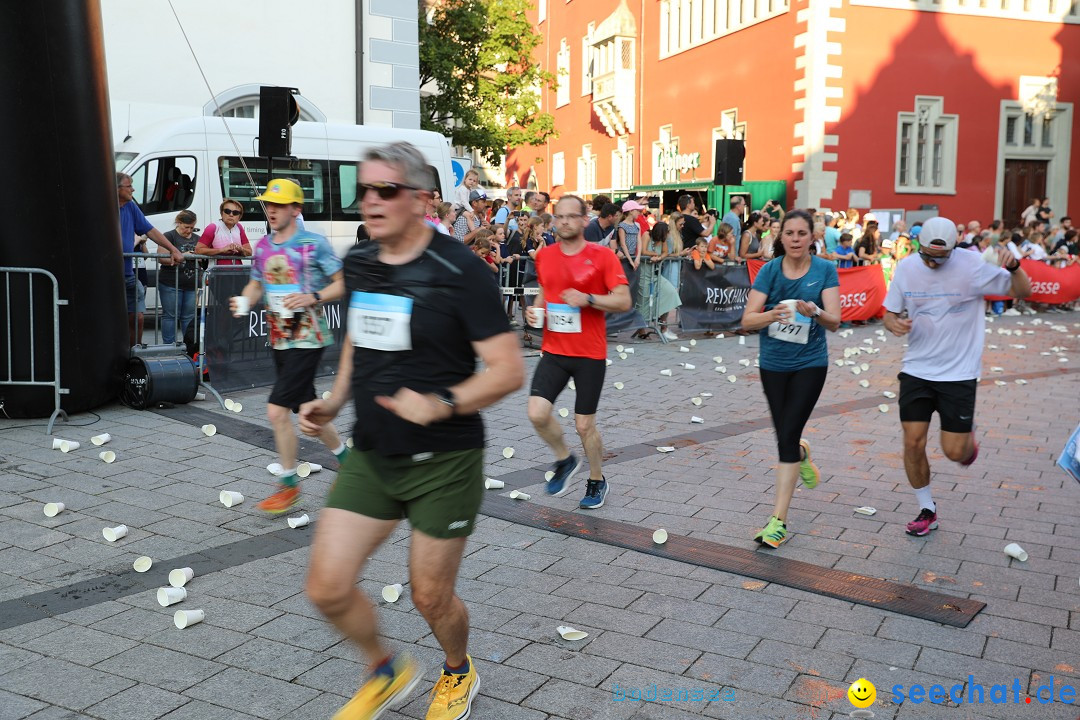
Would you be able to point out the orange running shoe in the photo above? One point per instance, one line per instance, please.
(281, 501)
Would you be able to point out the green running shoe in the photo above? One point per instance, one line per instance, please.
(808, 471)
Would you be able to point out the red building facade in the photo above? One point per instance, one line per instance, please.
(890, 105)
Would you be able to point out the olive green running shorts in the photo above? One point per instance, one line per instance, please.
(439, 493)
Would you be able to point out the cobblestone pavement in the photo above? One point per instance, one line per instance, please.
(264, 652)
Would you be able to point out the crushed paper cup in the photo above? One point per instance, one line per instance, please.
(696, 400)
(518, 495)
(722, 369)
(101, 439)
(508, 452)
(883, 408)
(889, 394)
(1015, 551)
(840, 363)
(683, 348)
(572, 385)
(209, 430)
(229, 403)
(229, 498)
(200, 396)
(187, 618)
(142, 564)
(619, 386)
(688, 366)
(493, 484)
(866, 510)
(731, 378)
(695, 419)
(391, 593)
(53, 509)
(864, 383)
(1000, 382)
(275, 469)
(107, 456)
(718, 359)
(665, 372)
(180, 577)
(1021, 381)
(660, 536)
(868, 341)
(665, 449)
(167, 596)
(112, 534)
(997, 369)
(706, 394)
(299, 522)
(623, 356)
(568, 633)
(745, 362)
(563, 412)
(67, 446)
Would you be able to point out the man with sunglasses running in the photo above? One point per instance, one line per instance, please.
(936, 296)
(422, 312)
(295, 271)
(579, 282)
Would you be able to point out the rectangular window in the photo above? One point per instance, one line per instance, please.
(905, 153)
(346, 200)
(920, 154)
(926, 142)
(1029, 129)
(1048, 131)
(311, 175)
(558, 169)
(562, 75)
(939, 154)
(164, 184)
(541, 10)
(1010, 130)
(588, 61)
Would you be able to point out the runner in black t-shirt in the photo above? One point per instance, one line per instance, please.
(422, 311)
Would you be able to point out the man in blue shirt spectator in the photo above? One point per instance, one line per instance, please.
(734, 216)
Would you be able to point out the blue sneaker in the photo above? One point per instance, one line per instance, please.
(595, 492)
(564, 471)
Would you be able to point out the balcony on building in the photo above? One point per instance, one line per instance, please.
(614, 77)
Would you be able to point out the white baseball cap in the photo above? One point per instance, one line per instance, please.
(938, 232)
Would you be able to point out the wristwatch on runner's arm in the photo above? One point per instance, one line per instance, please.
(446, 397)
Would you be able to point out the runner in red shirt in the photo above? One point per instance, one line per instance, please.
(579, 281)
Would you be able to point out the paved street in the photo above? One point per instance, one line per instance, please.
(264, 652)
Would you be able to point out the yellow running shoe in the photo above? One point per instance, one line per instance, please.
(452, 696)
(808, 471)
(386, 687)
(280, 501)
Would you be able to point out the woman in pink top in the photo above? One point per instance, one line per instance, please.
(225, 238)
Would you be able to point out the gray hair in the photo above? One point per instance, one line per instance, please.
(121, 177)
(407, 159)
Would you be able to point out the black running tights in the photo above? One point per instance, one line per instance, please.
(792, 396)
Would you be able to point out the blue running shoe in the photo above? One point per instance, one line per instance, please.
(595, 492)
(564, 471)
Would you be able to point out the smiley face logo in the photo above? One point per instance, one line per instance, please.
(862, 693)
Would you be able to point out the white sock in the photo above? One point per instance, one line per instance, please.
(340, 449)
(925, 501)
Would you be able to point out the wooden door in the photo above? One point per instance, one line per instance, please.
(1024, 180)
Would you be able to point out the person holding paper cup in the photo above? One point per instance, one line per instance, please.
(936, 302)
(794, 300)
(422, 312)
(295, 271)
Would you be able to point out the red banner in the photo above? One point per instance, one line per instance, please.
(1050, 285)
(862, 290)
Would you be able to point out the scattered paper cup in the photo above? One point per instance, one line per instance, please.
(67, 446)
(745, 362)
(200, 396)
(630, 351)
(299, 522)
(865, 367)
(607, 361)
(229, 403)
(693, 343)
(665, 449)
(493, 484)
(864, 383)
(683, 348)
(349, 443)
(101, 439)
(721, 369)
(112, 534)
(840, 363)
(56, 443)
(1015, 551)
(275, 469)
(54, 509)
(391, 593)
(1000, 382)
(883, 408)
(167, 596)
(718, 359)
(180, 577)
(731, 378)
(856, 370)
(706, 394)
(548, 475)
(229, 498)
(572, 385)
(518, 495)
(142, 564)
(237, 407)
(563, 412)
(306, 468)
(866, 510)
(1021, 381)
(659, 536)
(187, 618)
(107, 455)
(889, 394)
(619, 386)
(688, 366)
(326, 395)
(720, 336)
(696, 419)
(209, 430)
(665, 372)
(742, 339)
(623, 356)
(619, 348)
(568, 633)
(695, 400)
(508, 452)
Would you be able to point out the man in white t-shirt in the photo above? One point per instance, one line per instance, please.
(936, 298)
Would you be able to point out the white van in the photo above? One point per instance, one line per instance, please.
(192, 164)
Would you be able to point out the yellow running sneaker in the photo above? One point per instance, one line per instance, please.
(280, 501)
(808, 471)
(452, 696)
(384, 688)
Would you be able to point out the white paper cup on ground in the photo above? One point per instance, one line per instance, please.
(101, 439)
(493, 484)
(623, 356)
(237, 407)
(697, 420)
(275, 469)
(243, 306)
(209, 430)
(563, 412)
(688, 366)
(568, 633)
(666, 372)
(53, 509)
(731, 378)
(326, 395)
(200, 396)
(1015, 551)
(683, 348)
(299, 522)
(112, 534)
(229, 498)
(883, 408)
(630, 351)
(706, 394)
(167, 596)
(303, 469)
(142, 564)
(107, 456)
(665, 449)
(518, 495)
(695, 400)
(548, 475)
(660, 536)
(693, 343)
(742, 340)
(67, 446)
(349, 443)
(180, 577)
(889, 394)
(186, 618)
(391, 593)
(619, 386)
(537, 320)
(56, 442)
(508, 452)
(864, 383)
(229, 403)
(572, 385)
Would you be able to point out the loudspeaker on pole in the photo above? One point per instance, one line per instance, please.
(278, 112)
(730, 155)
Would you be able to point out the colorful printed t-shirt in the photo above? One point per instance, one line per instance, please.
(302, 264)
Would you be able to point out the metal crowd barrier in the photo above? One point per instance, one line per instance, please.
(34, 381)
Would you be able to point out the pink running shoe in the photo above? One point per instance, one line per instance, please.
(923, 524)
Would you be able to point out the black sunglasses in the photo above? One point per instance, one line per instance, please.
(386, 190)
(232, 212)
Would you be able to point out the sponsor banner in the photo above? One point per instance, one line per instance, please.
(862, 290)
(712, 299)
(631, 319)
(238, 352)
(1049, 285)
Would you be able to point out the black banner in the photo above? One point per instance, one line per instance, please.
(713, 299)
(238, 351)
(631, 319)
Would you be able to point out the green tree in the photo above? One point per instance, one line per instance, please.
(479, 56)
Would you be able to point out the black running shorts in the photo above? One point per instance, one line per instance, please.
(554, 371)
(295, 384)
(953, 401)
